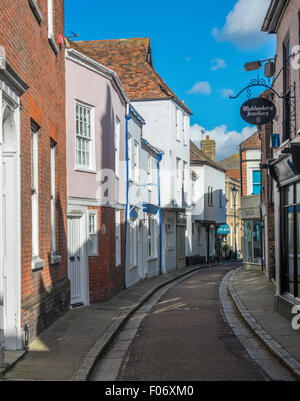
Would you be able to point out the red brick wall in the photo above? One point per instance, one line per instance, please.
(28, 51)
(105, 278)
(266, 154)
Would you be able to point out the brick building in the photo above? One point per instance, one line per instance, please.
(250, 212)
(33, 243)
(282, 19)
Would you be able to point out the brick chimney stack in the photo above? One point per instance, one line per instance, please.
(208, 146)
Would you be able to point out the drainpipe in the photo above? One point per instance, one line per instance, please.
(127, 196)
(159, 159)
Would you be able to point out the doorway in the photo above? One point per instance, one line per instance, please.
(77, 261)
(11, 206)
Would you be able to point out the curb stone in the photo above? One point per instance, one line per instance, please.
(271, 344)
(87, 365)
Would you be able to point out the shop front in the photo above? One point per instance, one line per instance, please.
(252, 231)
(286, 172)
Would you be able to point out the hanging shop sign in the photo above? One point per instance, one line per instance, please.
(258, 111)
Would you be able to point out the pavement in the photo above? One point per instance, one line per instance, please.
(70, 348)
(253, 296)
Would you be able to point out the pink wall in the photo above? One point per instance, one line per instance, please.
(96, 90)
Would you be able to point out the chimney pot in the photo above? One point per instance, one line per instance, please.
(207, 137)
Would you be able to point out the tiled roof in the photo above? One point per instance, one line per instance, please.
(131, 59)
(231, 162)
(253, 142)
(198, 156)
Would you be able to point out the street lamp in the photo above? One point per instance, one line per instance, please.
(234, 192)
(256, 65)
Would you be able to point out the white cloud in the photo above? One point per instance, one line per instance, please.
(243, 24)
(201, 87)
(227, 92)
(218, 63)
(227, 141)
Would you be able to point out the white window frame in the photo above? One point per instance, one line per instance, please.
(35, 193)
(117, 145)
(150, 174)
(178, 125)
(37, 262)
(136, 162)
(55, 258)
(185, 129)
(90, 167)
(178, 177)
(118, 237)
(130, 157)
(36, 10)
(51, 26)
(93, 248)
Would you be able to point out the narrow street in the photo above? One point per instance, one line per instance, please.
(184, 337)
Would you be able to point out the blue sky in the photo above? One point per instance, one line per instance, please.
(188, 39)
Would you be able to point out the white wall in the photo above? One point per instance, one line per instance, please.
(160, 131)
(140, 192)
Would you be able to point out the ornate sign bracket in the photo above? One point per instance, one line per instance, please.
(289, 98)
(262, 83)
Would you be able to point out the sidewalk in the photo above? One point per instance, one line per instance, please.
(69, 349)
(253, 296)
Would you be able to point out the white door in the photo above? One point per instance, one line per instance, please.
(76, 262)
(10, 251)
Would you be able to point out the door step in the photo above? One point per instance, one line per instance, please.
(78, 305)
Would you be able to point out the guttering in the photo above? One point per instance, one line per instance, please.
(274, 15)
(159, 159)
(127, 118)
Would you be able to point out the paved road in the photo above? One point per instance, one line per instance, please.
(185, 337)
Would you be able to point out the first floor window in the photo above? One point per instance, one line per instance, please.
(118, 238)
(34, 192)
(84, 137)
(117, 146)
(256, 182)
(136, 161)
(93, 232)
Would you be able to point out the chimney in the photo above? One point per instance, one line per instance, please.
(208, 146)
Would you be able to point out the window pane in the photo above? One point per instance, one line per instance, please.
(256, 177)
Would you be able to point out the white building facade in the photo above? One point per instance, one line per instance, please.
(167, 128)
(208, 207)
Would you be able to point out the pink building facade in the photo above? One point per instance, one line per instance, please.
(96, 105)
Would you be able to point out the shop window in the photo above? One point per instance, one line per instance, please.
(291, 240)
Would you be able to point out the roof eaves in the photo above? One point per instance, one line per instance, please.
(77, 56)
